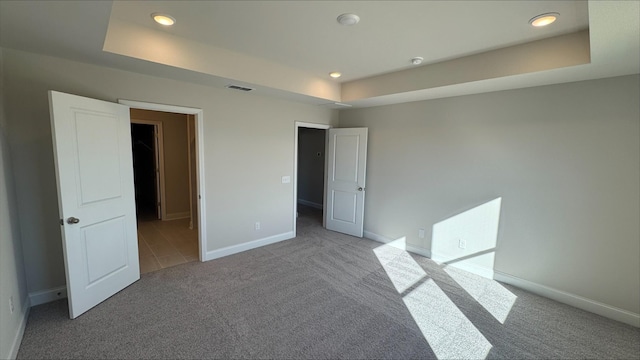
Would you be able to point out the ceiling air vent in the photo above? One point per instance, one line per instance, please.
(237, 87)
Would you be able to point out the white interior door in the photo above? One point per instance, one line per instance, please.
(346, 168)
(94, 169)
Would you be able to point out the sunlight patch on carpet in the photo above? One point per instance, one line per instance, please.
(449, 333)
(495, 298)
(403, 271)
(447, 330)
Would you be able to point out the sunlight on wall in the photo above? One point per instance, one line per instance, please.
(468, 240)
(497, 300)
(449, 333)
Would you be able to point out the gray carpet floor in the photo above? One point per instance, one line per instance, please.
(320, 295)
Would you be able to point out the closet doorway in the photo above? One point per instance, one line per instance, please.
(310, 173)
(165, 186)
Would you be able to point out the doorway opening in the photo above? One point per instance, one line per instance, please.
(310, 174)
(165, 182)
(148, 169)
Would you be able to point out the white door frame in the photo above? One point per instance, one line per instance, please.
(298, 125)
(160, 153)
(199, 115)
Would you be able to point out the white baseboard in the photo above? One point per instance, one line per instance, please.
(464, 265)
(49, 295)
(176, 216)
(410, 248)
(580, 302)
(17, 339)
(310, 204)
(234, 249)
(577, 301)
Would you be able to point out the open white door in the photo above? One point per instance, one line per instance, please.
(346, 168)
(94, 169)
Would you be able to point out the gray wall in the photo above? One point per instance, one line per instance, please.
(310, 165)
(13, 283)
(248, 148)
(564, 159)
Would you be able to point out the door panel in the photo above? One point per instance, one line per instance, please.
(98, 157)
(94, 169)
(344, 206)
(104, 249)
(346, 165)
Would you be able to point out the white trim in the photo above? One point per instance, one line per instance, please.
(463, 265)
(577, 301)
(419, 251)
(199, 116)
(49, 295)
(410, 248)
(190, 165)
(17, 339)
(160, 154)
(472, 268)
(234, 249)
(297, 125)
(310, 204)
(159, 107)
(176, 216)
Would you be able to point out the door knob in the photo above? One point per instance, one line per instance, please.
(359, 189)
(73, 220)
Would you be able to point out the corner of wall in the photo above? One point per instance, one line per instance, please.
(14, 303)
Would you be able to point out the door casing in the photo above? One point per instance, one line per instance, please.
(200, 180)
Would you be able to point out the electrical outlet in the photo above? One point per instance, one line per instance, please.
(421, 233)
(11, 307)
(257, 225)
(462, 244)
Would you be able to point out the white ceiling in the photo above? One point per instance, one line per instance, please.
(287, 48)
(306, 35)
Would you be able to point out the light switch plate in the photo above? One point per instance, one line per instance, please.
(286, 179)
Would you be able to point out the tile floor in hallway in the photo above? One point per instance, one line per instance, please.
(163, 244)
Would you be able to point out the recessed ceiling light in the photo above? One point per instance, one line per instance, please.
(335, 74)
(348, 19)
(544, 19)
(417, 60)
(163, 19)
